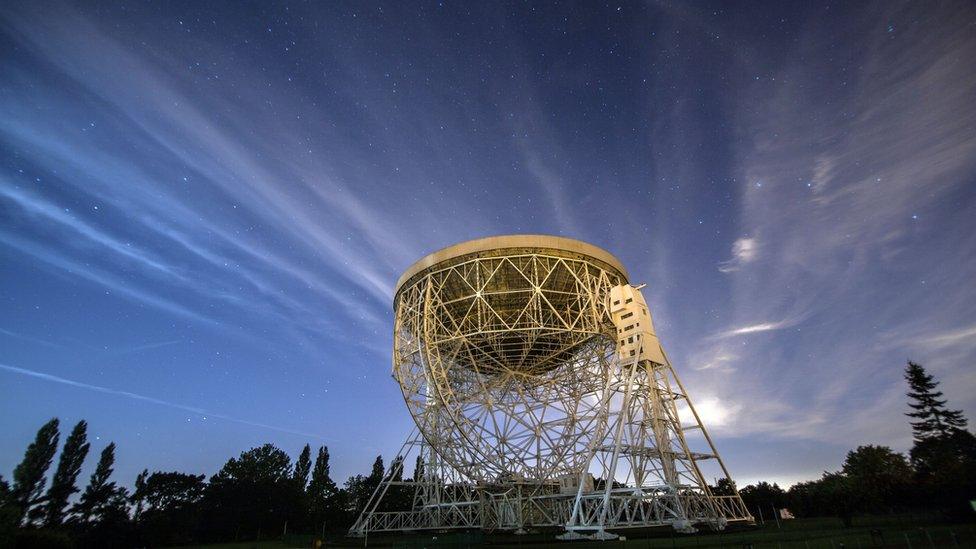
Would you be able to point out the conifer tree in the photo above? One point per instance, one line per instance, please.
(929, 408)
(29, 477)
(322, 490)
(101, 496)
(376, 475)
(397, 497)
(418, 469)
(69, 467)
(373, 481)
(302, 467)
(139, 494)
(396, 469)
(944, 453)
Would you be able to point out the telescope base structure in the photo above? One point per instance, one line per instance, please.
(543, 399)
(520, 507)
(658, 481)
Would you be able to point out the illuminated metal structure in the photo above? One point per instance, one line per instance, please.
(532, 370)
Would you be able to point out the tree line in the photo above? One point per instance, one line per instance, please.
(261, 494)
(938, 475)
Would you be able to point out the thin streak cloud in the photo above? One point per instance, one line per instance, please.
(755, 328)
(104, 279)
(144, 398)
(963, 336)
(23, 337)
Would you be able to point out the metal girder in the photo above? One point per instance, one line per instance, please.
(518, 376)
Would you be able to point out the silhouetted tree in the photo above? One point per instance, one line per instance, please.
(879, 476)
(302, 467)
(804, 499)
(171, 513)
(839, 494)
(724, 487)
(934, 419)
(138, 496)
(100, 518)
(944, 453)
(398, 496)
(360, 488)
(300, 514)
(102, 499)
(832, 495)
(9, 515)
(952, 456)
(764, 496)
(173, 490)
(253, 495)
(376, 475)
(29, 477)
(69, 467)
(323, 494)
(357, 494)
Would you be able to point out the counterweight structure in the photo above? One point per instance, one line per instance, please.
(542, 399)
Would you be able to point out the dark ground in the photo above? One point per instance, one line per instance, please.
(906, 531)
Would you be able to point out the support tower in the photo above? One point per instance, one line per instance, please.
(542, 399)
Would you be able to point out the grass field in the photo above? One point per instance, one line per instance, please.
(826, 533)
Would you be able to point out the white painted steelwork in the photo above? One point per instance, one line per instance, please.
(526, 359)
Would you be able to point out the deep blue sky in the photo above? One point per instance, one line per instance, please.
(203, 209)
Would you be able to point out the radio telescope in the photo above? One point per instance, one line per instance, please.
(542, 400)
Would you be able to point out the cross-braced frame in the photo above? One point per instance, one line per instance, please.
(510, 365)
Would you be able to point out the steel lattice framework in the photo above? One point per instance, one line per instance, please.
(515, 368)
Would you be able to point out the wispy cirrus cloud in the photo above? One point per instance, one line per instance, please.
(49, 213)
(222, 164)
(744, 250)
(719, 360)
(841, 185)
(754, 328)
(965, 336)
(101, 277)
(31, 339)
(152, 400)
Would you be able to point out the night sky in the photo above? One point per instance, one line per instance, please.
(204, 209)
